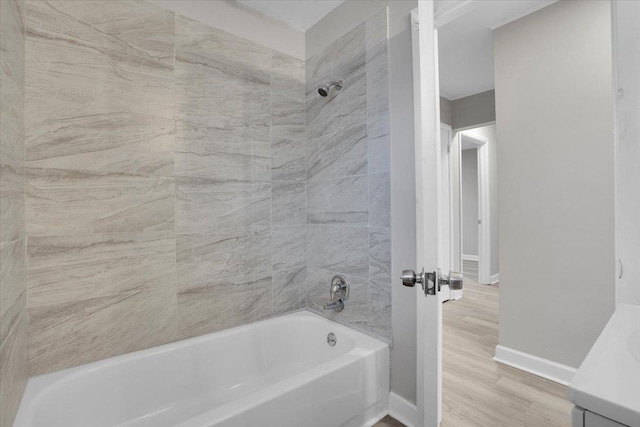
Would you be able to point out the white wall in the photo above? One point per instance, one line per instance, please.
(242, 21)
(627, 66)
(403, 241)
(470, 213)
(556, 179)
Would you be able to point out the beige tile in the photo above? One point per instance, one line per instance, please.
(62, 203)
(221, 155)
(287, 76)
(71, 268)
(202, 257)
(13, 371)
(119, 143)
(73, 333)
(90, 60)
(221, 80)
(289, 290)
(229, 302)
(13, 278)
(204, 205)
(12, 201)
(11, 120)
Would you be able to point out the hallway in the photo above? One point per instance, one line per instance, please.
(478, 392)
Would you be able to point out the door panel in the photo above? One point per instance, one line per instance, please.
(428, 176)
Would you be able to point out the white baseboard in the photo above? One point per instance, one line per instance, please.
(535, 365)
(403, 410)
(494, 279)
(470, 257)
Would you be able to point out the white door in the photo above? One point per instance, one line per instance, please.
(428, 177)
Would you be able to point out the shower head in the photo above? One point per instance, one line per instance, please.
(324, 90)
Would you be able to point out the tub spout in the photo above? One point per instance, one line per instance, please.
(337, 305)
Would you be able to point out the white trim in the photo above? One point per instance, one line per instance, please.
(479, 125)
(466, 257)
(402, 410)
(535, 365)
(484, 206)
(495, 278)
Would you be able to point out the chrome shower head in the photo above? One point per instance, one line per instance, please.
(324, 90)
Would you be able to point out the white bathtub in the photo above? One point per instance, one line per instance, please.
(275, 373)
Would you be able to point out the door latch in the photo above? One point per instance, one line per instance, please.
(428, 281)
(431, 282)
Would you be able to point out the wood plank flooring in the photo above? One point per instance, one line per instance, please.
(479, 392)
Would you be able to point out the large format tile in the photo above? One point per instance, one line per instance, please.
(287, 138)
(72, 268)
(62, 203)
(289, 290)
(342, 59)
(221, 155)
(380, 200)
(380, 308)
(73, 333)
(287, 115)
(12, 120)
(12, 207)
(12, 15)
(336, 125)
(13, 280)
(356, 310)
(118, 143)
(287, 76)
(224, 304)
(337, 136)
(288, 203)
(13, 371)
(288, 247)
(378, 132)
(288, 157)
(13, 319)
(338, 155)
(221, 80)
(203, 205)
(94, 59)
(338, 201)
(343, 249)
(380, 255)
(204, 258)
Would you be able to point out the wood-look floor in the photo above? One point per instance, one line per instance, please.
(479, 392)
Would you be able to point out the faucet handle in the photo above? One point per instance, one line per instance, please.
(338, 292)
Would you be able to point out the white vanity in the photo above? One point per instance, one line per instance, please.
(606, 388)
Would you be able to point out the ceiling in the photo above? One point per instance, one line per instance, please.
(466, 43)
(301, 14)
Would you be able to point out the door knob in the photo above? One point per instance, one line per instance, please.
(454, 280)
(410, 278)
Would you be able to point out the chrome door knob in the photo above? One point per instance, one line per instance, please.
(454, 280)
(410, 278)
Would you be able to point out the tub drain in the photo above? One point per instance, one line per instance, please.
(331, 339)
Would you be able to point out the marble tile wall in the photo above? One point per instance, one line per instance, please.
(165, 180)
(13, 240)
(347, 176)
